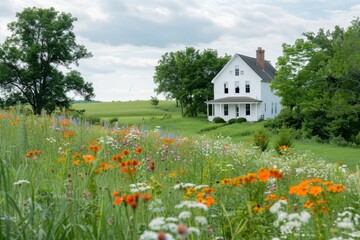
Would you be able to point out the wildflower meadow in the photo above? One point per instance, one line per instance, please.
(62, 178)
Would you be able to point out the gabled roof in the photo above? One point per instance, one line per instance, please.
(235, 100)
(266, 75)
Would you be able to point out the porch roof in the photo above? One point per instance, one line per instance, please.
(235, 100)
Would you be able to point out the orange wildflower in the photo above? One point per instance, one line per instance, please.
(130, 199)
(135, 163)
(116, 158)
(88, 158)
(118, 200)
(65, 122)
(263, 174)
(169, 140)
(315, 190)
(125, 152)
(271, 197)
(308, 204)
(145, 196)
(32, 154)
(336, 188)
(298, 190)
(138, 150)
(258, 208)
(76, 162)
(94, 148)
(68, 134)
(115, 193)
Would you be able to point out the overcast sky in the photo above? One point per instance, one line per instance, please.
(128, 37)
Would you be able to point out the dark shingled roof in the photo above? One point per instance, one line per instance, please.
(267, 75)
(234, 100)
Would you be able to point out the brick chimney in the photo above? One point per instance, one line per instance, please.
(260, 58)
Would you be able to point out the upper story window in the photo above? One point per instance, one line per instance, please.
(237, 70)
(226, 87)
(275, 108)
(242, 72)
(226, 109)
(264, 107)
(272, 108)
(247, 86)
(237, 87)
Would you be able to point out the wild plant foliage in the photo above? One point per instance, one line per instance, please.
(61, 178)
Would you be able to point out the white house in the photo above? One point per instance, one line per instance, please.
(242, 89)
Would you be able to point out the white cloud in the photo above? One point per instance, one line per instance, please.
(127, 38)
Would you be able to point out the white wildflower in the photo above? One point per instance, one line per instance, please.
(184, 215)
(194, 230)
(346, 223)
(304, 217)
(19, 182)
(156, 206)
(171, 219)
(172, 227)
(201, 220)
(192, 204)
(157, 223)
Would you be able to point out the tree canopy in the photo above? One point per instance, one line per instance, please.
(42, 41)
(318, 79)
(186, 77)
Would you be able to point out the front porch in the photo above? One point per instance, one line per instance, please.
(234, 107)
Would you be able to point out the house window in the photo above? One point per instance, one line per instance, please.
(264, 107)
(237, 70)
(275, 108)
(272, 108)
(247, 86)
(226, 109)
(210, 109)
(242, 72)
(237, 87)
(237, 110)
(226, 88)
(247, 109)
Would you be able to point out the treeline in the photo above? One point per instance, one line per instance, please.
(186, 76)
(318, 79)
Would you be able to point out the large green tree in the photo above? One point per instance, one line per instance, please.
(41, 43)
(186, 76)
(318, 80)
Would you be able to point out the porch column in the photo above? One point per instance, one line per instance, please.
(256, 106)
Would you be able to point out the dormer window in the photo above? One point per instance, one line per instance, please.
(247, 86)
(226, 87)
(237, 87)
(237, 70)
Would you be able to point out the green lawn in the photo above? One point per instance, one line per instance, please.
(168, 116)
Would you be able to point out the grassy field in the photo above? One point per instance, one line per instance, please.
(64, 179)
(168, 116)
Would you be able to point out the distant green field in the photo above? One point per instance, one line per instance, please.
(129, 111)
(168, 116)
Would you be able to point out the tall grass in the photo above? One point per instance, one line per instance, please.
(63, 179)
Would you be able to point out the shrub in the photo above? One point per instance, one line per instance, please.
(284, 140)
(261, 139)
(357, 139)
(339, 141)
(94, 120)
(113, 120)
(241, 120)
(218, 120)
(232, 121)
